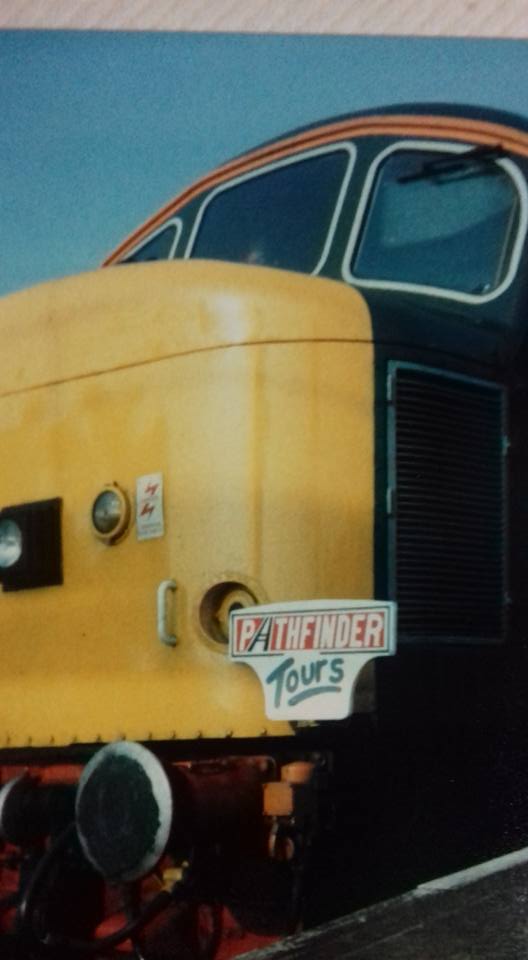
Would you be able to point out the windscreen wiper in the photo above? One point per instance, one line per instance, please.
(454, 162)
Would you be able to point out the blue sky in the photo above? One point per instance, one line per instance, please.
(98, 130)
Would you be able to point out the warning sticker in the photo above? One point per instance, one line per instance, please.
(149, 507)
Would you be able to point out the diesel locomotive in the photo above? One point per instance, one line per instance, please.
(290, 404)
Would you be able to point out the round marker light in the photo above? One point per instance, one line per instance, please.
(111, 513)
(10, 543)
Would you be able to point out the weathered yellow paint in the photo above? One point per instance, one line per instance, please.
(251, 390)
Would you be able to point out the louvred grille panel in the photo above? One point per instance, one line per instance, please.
(447, 440)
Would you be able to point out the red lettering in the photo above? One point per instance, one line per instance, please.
(307, 633)
(246, 629)
(357, 634)
(375, 630)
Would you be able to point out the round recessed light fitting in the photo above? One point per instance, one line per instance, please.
(111, 513)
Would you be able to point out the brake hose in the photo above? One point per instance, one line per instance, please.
(26, 908)
(89, 947)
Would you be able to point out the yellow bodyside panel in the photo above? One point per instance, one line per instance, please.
(251, 391)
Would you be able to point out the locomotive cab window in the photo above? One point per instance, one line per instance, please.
(281, 216)
(448, 220)
(159, 246)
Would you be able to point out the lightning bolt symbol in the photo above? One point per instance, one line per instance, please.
(147, 509)
(151, 488)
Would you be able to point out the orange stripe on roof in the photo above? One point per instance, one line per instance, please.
(404, 125)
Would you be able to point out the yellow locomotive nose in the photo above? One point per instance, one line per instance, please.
(244, 396)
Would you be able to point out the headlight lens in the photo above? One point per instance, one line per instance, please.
(111, 513)
(31, 545)
(107, 512)
(10, 543)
